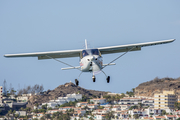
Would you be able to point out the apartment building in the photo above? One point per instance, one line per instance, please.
(165, 100)
(54, 103)
(148, 102)
(62, 100)
(130, 101)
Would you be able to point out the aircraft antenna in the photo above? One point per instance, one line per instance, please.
(86, 43)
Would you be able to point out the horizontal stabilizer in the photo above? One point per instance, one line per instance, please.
(70, 68)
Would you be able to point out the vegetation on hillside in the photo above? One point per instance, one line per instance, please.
(7, 91)
(111, 98)
(131, 93)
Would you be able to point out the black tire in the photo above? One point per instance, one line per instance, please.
(94, 79)
(77, 82)
(108, 79)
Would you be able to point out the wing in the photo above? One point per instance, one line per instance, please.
(125, 48)
(53, 54)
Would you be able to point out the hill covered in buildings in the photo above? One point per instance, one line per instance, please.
(62, 91)
(157, 86)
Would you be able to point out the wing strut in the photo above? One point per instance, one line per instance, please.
(119, 57)
(62, 62)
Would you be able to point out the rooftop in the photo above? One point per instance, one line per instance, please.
(160, 117)
(131, 98)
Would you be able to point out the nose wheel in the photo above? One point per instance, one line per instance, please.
(94, 78)
(77, 82)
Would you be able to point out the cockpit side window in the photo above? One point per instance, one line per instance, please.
(90, 51)
(95, 51)
(84, 53)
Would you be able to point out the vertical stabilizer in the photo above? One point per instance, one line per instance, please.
(86, 43)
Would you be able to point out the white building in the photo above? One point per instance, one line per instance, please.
(100, 112)
(62, 100)
(76, 96)
(130, 101)
(52, 111)
(54, 103)
(22, 99)
(92, 106)
(157, 111)
(81, 103)
(135, 111)
(115, 108)
(98, 100)
(67, 99)
(125, 107)
(27, 95)
(65, 108)
(148, 102)
(12, 97)
(148, 112)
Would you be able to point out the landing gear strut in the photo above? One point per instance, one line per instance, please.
(108, 79)
(77, 82)
(94, 78)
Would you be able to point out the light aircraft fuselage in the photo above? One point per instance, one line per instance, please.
(91, 60)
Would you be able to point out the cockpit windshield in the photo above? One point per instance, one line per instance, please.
(90, 52)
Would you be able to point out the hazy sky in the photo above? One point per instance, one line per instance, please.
(46, 25)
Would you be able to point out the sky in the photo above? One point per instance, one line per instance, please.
(44, 25)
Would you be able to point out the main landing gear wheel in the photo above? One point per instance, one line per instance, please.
(94, 78)
(77, 82)
(108, 79)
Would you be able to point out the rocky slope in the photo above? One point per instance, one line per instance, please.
(158, 85)
(62, 91)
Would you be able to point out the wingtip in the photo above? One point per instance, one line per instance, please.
(7, 55)
(172, 40)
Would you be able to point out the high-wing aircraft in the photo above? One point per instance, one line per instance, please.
(91, 59)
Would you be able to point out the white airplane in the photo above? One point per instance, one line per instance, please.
(91, 59)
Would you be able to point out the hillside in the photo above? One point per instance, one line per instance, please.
(62, 91)
(157, 85)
